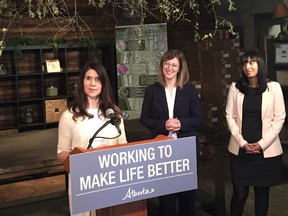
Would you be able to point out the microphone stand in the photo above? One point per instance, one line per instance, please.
(94, 136)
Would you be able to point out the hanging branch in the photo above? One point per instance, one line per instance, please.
(173, 11)
(74, 24)
(56, 13)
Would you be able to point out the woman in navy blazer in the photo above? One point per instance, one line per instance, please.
(172, 107)
(255, 113)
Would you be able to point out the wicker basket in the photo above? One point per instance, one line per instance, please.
(54, 109)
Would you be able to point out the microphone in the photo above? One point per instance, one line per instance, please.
(114, 120)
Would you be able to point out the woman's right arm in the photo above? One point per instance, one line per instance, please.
(61, 156)
(64, 136)
(231, 116)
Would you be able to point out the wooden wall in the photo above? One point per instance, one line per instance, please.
(180, 36)
(101, 23)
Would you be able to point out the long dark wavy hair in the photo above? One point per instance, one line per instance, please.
(106, 98)
(243, 83)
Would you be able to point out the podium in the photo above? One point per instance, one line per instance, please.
(137, 208)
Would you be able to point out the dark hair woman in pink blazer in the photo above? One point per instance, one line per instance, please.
(255, 113)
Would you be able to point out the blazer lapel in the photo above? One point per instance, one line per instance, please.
(178, 99)
(240, 100)
(265, 101)
(162, 102)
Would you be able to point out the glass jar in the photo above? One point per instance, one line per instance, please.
(74, 87)
(3, 69)
(28, 117)
(51, 90)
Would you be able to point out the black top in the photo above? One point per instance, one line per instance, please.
(252, 122)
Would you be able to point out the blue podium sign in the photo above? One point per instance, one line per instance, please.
(109, 177)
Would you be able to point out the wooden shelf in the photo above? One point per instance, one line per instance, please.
(274, 68)
(24, 85)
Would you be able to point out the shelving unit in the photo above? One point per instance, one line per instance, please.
(278, 66)
(25, 83)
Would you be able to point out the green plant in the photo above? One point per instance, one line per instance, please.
(18, 42)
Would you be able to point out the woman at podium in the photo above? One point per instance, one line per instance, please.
(81, 124)
(172, 107)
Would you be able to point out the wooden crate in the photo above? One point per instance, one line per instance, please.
(54, 109)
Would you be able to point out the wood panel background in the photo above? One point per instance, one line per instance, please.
(100, 24)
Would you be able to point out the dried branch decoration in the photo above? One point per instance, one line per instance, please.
(173, 11)
(56, 11)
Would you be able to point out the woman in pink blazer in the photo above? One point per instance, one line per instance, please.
(255, 114)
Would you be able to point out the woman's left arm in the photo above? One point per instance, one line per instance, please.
(273, 125)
